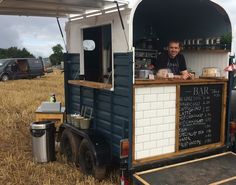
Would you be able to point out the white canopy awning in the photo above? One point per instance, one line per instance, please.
(53, 8)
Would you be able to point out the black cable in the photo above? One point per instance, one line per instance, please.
(122, 24)
(121, 20)
(61, 33)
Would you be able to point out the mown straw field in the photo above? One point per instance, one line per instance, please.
(18, 101)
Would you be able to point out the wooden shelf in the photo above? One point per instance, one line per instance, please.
(207, 50)
(95, 85)
(142, 53)
(138, 57)
(146, 50)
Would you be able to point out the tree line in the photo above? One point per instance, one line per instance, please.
(13, 52)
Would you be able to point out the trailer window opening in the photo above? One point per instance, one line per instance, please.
(98, 62)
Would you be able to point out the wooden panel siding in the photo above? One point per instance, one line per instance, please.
(121, 100)
(121, 90)
(72, 92)
(112, 110)
(87, 97)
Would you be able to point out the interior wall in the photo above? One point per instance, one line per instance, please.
(73, 37)
(185, 19)
(196, 61)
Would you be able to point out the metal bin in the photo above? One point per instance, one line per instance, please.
(43, 141)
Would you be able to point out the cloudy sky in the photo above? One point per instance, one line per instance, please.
(38, 34)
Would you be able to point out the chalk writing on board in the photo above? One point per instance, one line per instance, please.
(200, 115)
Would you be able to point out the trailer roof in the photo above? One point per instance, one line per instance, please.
(53, 8)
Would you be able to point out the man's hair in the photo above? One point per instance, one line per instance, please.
(175, 41)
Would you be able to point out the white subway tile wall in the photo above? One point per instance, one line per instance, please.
(155, 110)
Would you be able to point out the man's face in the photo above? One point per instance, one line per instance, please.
(173, 49)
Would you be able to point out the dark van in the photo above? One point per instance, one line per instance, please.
(18, 68)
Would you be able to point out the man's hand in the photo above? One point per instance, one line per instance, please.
(185, 75)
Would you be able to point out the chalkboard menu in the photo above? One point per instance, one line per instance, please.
(200, 115)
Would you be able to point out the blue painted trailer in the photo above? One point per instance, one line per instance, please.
(139, 123)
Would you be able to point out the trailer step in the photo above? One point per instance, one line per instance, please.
(214, 170)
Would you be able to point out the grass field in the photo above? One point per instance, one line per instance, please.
(18, 101)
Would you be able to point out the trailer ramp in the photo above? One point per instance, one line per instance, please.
(214, 170)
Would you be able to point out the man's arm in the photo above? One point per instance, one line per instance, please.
(183, 68)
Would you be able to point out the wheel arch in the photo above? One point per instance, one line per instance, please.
(5, 73)
(101, 150)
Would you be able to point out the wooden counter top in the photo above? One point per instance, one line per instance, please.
(163, 81)
(96, 85)
(141, 82)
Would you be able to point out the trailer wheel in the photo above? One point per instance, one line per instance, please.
(87, 162)
(5, 78)
(70, 146)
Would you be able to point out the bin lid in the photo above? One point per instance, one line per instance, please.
(41, 125)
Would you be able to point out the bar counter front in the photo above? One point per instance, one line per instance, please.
(174, 116)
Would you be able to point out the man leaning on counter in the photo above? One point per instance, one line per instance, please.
(172, 61)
